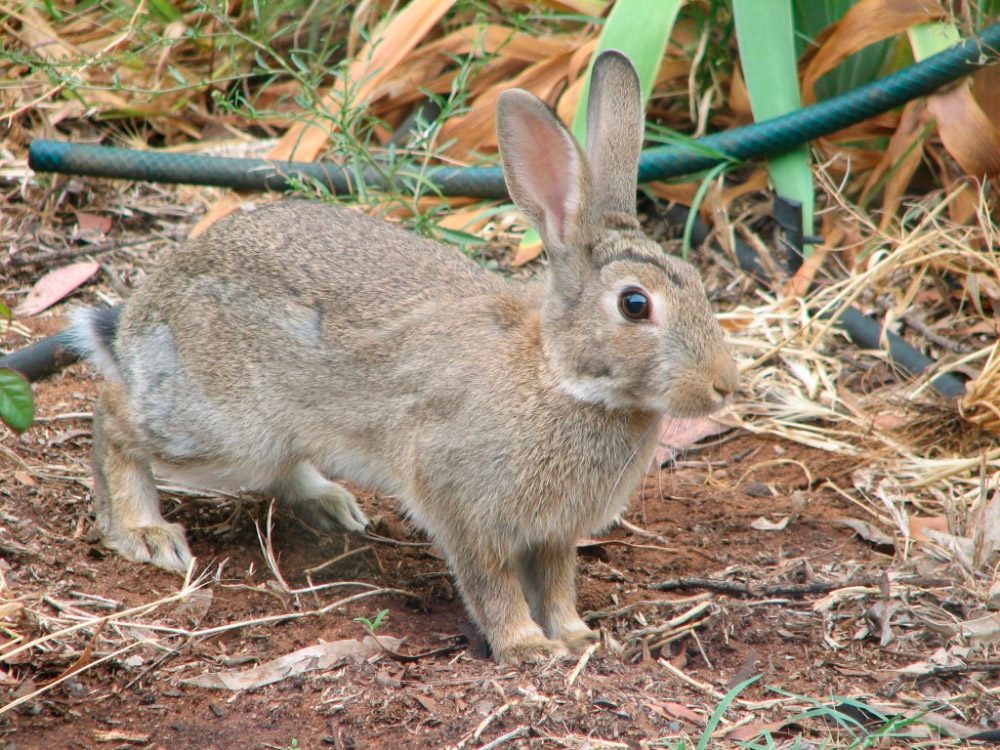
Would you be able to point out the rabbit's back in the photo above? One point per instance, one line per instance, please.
(294, 325)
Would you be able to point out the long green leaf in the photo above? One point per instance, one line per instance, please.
(17, 406)
(766, 37)
(640, 29)
(811, 19)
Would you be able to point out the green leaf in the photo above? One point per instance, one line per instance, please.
(864, 66)
(720, 710)
(928, 39)
(17, 405)
(640, 29)
(165, 10)
(458, 237)
(767, 54)
(5, 311)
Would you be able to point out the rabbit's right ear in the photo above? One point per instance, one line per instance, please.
(546, 172)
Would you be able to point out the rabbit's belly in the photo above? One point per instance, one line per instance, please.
(220, 476)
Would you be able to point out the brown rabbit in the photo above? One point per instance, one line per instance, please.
(302, 341)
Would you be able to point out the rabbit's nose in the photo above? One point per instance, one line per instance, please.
(726, 379)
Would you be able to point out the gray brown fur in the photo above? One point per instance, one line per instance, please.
(300, 341)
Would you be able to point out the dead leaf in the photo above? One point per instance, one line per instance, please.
(748, 732)
(900, 160)
(967, 132)
(982, 630)
(120, 735)
(55, 285)
(373, 64)
(195, 606)
(919, 525)
(762, 524)
(871, 534)
(671, 710)
(25, 478)
(867, 22)
(91, 227)
(309, 659)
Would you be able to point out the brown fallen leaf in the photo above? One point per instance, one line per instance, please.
(309, 659)
(747, 732)
(90, 227)
(55, 285)
(120, 735)
(871, 534)
(920, 525)
(373, 64)
(867, 22)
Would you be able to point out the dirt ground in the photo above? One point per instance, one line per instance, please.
(702, 508)
(745, 510)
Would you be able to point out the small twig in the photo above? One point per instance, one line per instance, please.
(582, 664)
(392, 542)
(490, 718)
(917, 324)
(410, 658)
(757, 591)
(707, 689)
(601, 614)
(638, 530)
(954, 669)
(505, 738)
(337, 559)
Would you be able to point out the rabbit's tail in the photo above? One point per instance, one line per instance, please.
(90, 335)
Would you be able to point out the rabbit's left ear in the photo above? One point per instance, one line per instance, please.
(615, 124)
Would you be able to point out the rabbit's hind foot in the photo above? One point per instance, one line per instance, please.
(320, 502)
(578, 641)
(532, 650)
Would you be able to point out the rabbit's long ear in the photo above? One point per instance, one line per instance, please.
(546, 172)
(615, 123)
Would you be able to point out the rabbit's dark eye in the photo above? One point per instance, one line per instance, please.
(634, 305)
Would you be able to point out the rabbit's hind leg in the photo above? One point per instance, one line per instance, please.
(319, 501)
(125, 499)
(548, 576)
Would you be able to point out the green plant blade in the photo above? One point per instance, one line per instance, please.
(864, 66)
(640, 29)
(928, 39)
(17, 405)
(767, 53)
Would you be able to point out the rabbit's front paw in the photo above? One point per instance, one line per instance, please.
(339, 506)
(163, 545)
(532, 650)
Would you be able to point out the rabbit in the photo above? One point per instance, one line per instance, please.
(301, 342)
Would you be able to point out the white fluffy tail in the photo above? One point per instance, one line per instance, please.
(90, 335)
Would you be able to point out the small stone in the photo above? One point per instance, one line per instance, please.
(757, 489)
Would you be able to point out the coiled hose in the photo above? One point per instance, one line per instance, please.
(761, 139)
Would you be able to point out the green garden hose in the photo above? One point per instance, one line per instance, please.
(761, 139)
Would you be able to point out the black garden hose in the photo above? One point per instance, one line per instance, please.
(761, 139)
